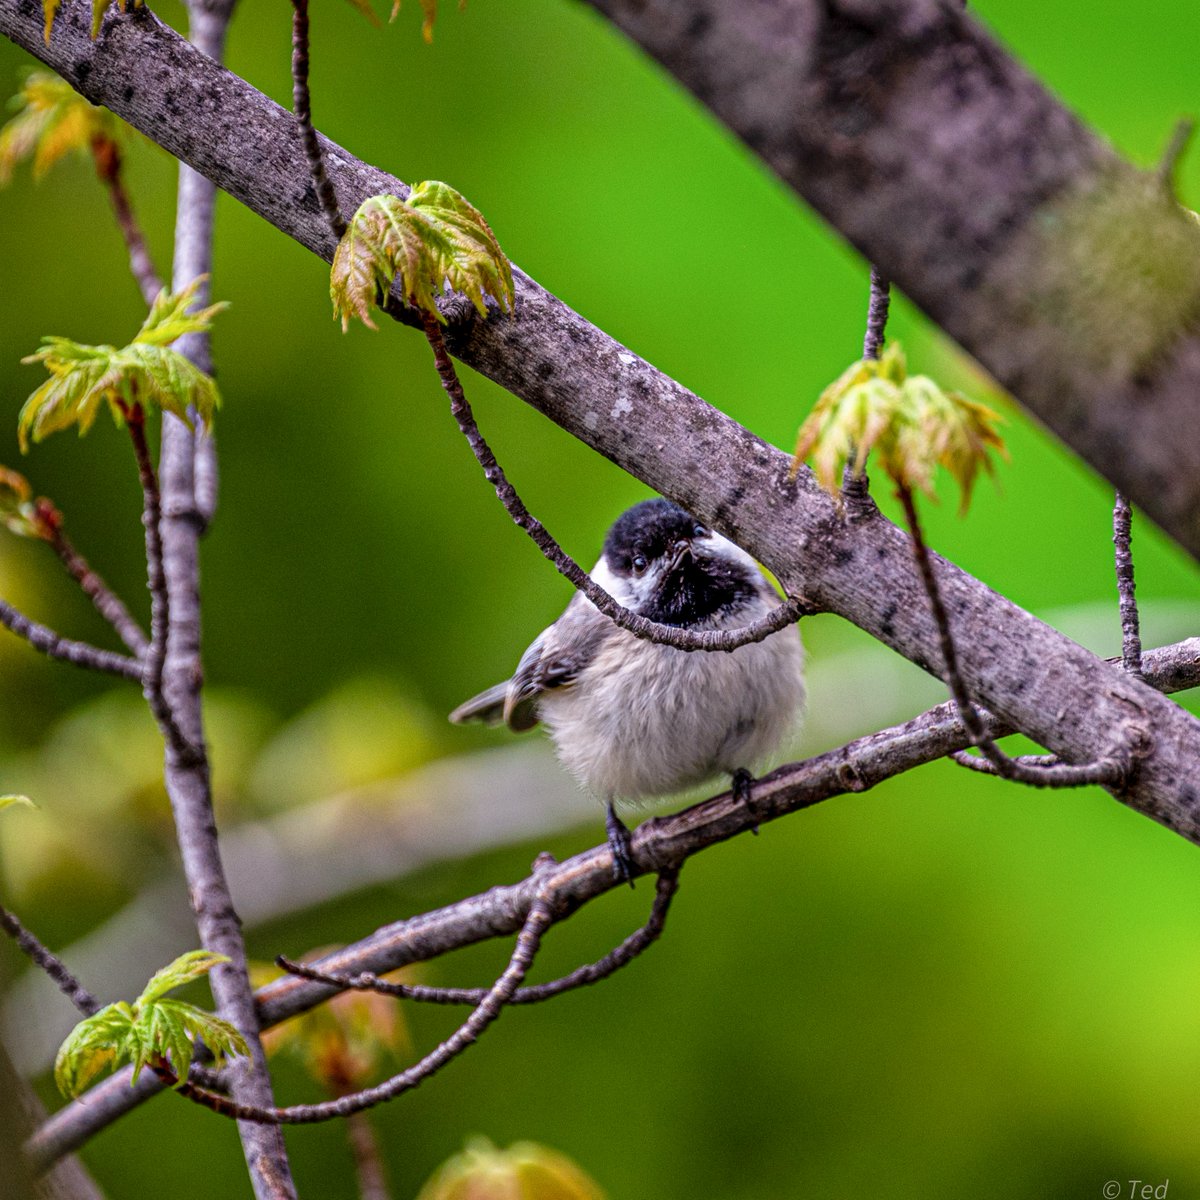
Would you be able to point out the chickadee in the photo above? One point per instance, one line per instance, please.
(631, 718)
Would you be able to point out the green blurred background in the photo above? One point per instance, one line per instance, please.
(947, 987)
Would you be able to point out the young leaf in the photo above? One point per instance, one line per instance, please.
(525, 1171)
(909, 421)
(12, 801)
(432, 241)
(146, 372)
(52, 120)
(95, 1045)
(187, 968)
(20, 513)
(152, 1031)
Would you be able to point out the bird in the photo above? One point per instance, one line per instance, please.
(633, 719)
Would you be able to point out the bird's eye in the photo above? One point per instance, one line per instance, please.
(698, 530)
(639, 563)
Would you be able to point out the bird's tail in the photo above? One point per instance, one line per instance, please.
(487, 707)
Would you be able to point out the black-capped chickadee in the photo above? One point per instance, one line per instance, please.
(631, 718)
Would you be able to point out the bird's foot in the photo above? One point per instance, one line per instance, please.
(743, 793)
(620, 844)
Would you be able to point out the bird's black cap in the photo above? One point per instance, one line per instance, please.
(649, 529)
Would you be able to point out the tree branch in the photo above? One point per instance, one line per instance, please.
(107, 157)
(79, 654)
(668, 437)
(780, 617)
(537, 920)
(659, 844)
(188, 476)
(970, 186)
(46, 961)
(620, 956)
(1131, 638)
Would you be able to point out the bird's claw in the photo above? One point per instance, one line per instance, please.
(620, 845)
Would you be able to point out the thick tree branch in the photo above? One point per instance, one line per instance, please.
(659, 845)
(1072, 277)
(1029, 675)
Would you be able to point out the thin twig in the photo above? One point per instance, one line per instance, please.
(877, 314)
(107, 157)
(1131, 638)
(302, 107)
(41, 957)
(156, 581)
(537, 921)
(778, 618)
(1107, 771)
(79, 654)
(856, 485)
(614, 960)
(107, 603)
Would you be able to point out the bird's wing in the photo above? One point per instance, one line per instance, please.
(555, 660)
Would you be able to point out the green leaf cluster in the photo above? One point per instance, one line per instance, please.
(525, 1171)
(52, 120)
(908, 420)
(20, 513)
(151, 1031)
(433, 240)
(146, 372)
(99, 8)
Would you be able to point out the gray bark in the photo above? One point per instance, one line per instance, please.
(1072, 277)
(1029, 675)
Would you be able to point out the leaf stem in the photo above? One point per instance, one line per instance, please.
(779, 618)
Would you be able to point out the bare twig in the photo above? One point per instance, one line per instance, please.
(41, 957)
(156, 581)
(537, 920)
(302, 107)
(107, 157)
(877, 314)
(1131, 638)
(107, 603)
(614, 960)
(1108, 771)
(856, 485)
(79, 654)
(778, 618)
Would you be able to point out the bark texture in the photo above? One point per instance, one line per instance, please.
(1071, 276)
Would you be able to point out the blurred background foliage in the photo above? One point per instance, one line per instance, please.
(945, 987)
